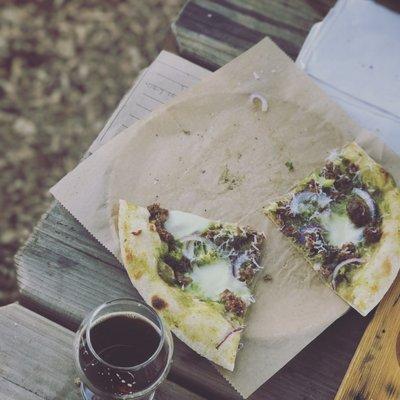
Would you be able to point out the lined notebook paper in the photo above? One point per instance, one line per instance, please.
(167, 76)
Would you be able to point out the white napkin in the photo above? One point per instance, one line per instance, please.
(354, 55)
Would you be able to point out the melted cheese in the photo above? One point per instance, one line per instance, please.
(212, 279)
(181, 224)
(340, 229)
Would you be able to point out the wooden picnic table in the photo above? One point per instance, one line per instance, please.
(64, 272)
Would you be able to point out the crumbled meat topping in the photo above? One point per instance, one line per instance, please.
(331, 171)
(343, 184)
(372, 234)
(233, 303)
(358, 212)
(158, 216)
(181, 265)
(352, 169)
(289, 230)
(314, 187)
(246, 273)
(347, 251)
(242, 247)
(314, 242)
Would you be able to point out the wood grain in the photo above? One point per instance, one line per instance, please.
(64, 273)
(36, 355)
(37, 360)
(213, 32)
(374, 372)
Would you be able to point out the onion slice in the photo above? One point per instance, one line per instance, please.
(340, 266)
(258, 98)
(369, 201)
(229, 334)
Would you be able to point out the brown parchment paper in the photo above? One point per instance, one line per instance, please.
(212, 152)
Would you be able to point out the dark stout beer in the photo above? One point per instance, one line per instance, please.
(122, 358)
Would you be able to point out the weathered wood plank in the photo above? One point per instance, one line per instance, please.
(213, 32)
(59, 276)
(36, 354)
(37, 360)
(9, 390)
(374, 372)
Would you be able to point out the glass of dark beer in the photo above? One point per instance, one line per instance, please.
(123, 350)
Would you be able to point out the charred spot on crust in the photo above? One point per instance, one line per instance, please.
(158, 303)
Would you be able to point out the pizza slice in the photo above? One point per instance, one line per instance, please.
(345, 219)
(198, 274)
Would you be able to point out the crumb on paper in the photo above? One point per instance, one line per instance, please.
(186, 131)
(267, 278)
(229, 179)
(260, 101)
(289, 165)
(203, 171)
(77, 382)
(256, 76)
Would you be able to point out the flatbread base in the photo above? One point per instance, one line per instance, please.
(197, 323)
(374, 278)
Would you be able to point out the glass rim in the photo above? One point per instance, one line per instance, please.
(136, 367)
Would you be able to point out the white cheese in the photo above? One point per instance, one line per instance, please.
(340, 229)
(212, 279)
(181, 224)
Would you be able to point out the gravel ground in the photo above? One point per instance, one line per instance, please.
(64, 65)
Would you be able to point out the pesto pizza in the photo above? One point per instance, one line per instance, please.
(197, 273)
(345, 219)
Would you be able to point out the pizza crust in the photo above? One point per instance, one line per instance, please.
(371, 281)
(374, 279)
(197, 323)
